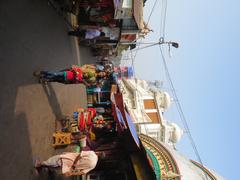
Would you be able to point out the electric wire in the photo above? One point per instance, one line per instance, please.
(180, 111)
(163, 18)
(138, 46)
(154, 5)
(136, 51)
(168, 76)
(179, 107)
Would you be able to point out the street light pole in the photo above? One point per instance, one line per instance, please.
(161, 41)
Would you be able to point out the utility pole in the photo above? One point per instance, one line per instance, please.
(150, 44)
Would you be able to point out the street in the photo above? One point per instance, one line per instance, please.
(33, 37)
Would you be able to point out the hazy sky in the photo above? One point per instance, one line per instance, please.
(205, 73)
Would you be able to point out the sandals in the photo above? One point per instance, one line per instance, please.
(36, 165)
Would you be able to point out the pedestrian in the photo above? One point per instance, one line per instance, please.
(67, 76)
(71, 163)
(87, 33)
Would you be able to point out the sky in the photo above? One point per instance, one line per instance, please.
(205, 73)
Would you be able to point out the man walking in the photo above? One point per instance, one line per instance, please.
(87, 33)
(67, 76)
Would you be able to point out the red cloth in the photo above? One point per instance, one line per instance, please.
(89, 119)
(85, 118)
(74, 75)
(81, 120)
(107, 17)
(77, 74)
(91, 114)
(92, 111)
(69, 76)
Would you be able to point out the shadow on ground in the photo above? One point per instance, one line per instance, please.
(32, 37)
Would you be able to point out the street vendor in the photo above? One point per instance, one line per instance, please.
(71, 163)
(87, 74)
(67, 76)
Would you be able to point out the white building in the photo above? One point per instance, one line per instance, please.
(146, 105)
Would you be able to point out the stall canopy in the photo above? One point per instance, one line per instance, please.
(137, 152)
(132, 129)
(124, 120)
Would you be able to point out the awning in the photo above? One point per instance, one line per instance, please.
(137, 152)
(122, 114)
(132, 129)
(121, 125)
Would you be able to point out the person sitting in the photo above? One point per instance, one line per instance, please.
(71, 163)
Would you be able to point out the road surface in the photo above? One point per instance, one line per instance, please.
(33, 37)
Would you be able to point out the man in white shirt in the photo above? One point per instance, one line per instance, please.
(87, 34)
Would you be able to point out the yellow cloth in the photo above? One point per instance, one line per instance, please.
(89, 70)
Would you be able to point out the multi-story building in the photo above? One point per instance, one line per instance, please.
(146, 105)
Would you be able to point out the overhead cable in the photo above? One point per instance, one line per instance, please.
(180, 111)
(163, 18)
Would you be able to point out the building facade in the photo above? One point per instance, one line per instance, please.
(170, 164)
(147, 105)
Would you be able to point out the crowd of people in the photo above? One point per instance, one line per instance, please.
(90, 121)
(97, 24)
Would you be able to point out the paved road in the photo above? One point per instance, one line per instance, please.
(32, 37)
